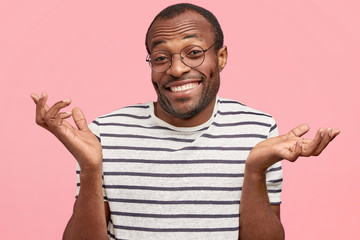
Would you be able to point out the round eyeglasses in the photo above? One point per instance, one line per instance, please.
(192, 56)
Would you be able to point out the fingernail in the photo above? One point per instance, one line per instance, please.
(66, 100)
(68, 112)
(42, 95)
(330, 131)
(322, 132)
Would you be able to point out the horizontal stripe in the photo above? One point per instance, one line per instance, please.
(275, 180)
(113, 236)
(229, 101)
(147, 215)
(126, 115)
(134, 126)
(151, 188)
(274, 169)
(240, 124)
(274, 191)
(176, 175)
(242, 112)
(191, 161)
(145, 137)
(96, 122)
(235, 136)
(273, 127)
(175, 229)
(178, 202)
(190, 148)
(138, 106)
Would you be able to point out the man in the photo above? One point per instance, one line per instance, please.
(175, 168)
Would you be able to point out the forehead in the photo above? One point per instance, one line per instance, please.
(188, 25)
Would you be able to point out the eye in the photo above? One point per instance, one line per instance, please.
(193, 52)
(160, 57)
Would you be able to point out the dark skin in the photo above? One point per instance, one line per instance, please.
(258, 218)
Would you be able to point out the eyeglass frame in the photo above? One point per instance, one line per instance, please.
(148, 58)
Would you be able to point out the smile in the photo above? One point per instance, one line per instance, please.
(184, 87)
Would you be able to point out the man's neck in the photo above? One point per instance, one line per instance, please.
(194, 121)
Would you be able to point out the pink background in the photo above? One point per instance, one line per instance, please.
(298, 60)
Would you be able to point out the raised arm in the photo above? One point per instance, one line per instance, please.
(88, 220)
(258, 219)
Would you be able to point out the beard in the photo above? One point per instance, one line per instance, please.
(210, 88)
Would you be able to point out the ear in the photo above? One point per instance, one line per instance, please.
(222, 57)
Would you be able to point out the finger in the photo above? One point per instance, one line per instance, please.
(60, 117)
(40, 109)
(312, 146)
(54, 110)
(79, 119)
(297, 152)
(299, 130)
(335, 133)
(294, 151)
(327, 136)
(35, 98)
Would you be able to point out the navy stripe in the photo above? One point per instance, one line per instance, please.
(240, 124)
(176, 229)
(95, 122)
(235, 136)
(147, 215)
(243, 112)
(131, 187)
(178, 202)
(274, 191)
(275, 180)
(190, 148)
(273, 127)
(126, 115)
(274, 169)
(229, 101)
(135, 126)
(137, 106)
(201, 161)
(145, 137)
(98, 138)
(113, 236)
(176, 175)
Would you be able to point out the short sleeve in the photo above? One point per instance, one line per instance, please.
(95, 129)
(274, 174)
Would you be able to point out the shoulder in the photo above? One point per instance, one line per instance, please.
(136, 111)
(125, 115)
(232, 107)
(234, 111)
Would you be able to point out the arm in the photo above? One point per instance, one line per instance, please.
(88, 220)
(259, 219)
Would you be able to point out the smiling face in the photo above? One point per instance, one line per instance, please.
(186, 96)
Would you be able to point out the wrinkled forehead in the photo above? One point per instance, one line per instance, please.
(187, 25)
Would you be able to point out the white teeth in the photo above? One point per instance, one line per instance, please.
(184, 87)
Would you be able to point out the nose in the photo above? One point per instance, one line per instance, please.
(177, 67)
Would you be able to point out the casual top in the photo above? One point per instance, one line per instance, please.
(167, 182)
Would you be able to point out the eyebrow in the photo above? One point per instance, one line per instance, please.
(185, 37)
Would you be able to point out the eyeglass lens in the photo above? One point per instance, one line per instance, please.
(191, 56)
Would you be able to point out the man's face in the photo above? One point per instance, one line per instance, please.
(182, 91)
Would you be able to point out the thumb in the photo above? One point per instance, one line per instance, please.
(299, 130)
(79, 119)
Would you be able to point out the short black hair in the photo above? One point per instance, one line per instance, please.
(177, 9)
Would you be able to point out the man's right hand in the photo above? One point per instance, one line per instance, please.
(80, 141)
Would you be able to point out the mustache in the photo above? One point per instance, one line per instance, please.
(184, 77)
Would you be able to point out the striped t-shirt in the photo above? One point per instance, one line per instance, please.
(167, 182)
